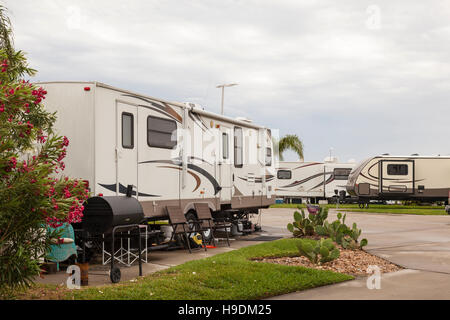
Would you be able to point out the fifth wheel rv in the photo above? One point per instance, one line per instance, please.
(173, 154)
(421, 178)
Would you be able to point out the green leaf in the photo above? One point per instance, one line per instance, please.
(290, 227)
(363, 243)
(324, 252)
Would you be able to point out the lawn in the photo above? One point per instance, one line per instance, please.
(225, 276)
(378, 208)
(426, 212)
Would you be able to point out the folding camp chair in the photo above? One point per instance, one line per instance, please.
(64, 247)
(205, 218)
(177, 219)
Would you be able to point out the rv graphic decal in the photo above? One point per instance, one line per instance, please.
(203, 172)
(237, 192)
(196, 177)
(199, 159)
(123, 190)
(307, 165)
(297, 183)
(376, 178)
(164, 109)
(330, 179)
(269, 177)
(368, 178)
(198, 121)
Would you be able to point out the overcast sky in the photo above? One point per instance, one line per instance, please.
(362, 77)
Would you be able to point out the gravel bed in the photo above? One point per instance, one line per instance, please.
(353, 262)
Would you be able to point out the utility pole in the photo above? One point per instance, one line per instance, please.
(222, 86)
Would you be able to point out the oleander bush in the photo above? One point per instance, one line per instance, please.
(33, 194)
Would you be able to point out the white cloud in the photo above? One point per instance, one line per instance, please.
(313, 68)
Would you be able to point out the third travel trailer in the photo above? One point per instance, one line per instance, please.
(422, 178)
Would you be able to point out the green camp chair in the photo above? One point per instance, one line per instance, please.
(63, 251)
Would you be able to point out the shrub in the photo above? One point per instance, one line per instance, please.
(31, 157)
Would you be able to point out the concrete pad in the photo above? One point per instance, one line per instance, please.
(415, 242)
(414, 258)
(402, 285)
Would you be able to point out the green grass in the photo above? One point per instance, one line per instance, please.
(425, 212)
(378, 208)
(227, 276)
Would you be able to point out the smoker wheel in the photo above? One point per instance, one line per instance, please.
(115, 275)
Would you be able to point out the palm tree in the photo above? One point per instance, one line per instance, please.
(290, 142)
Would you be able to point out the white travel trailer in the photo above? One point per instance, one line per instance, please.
(174, 154)
(311, 181)
(385, 177)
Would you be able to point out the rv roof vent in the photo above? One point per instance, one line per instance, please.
(244, 119)
(415, 154)
(385, 154)
(194, 105)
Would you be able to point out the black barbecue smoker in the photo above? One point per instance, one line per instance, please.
(110, 217)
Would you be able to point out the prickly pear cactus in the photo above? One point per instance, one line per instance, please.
(301, 226)
(321, 252)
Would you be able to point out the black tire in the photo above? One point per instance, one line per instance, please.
(115, 275)
(190, 217)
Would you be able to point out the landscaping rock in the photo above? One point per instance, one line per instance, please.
(353, 262)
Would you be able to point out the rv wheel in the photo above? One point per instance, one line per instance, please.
(115, 275)
(191, 217)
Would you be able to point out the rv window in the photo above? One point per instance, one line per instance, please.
(341, 173)
(268, 157)
(397, 169)
(161, 133)
(127, 130)
(238, 151)
(225, 152)
(284, 174)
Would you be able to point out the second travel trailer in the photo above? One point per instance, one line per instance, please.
(173, 154)
(385, 177)
(312, 181)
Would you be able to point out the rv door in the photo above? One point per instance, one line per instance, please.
(126, 147)
(396, 177)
